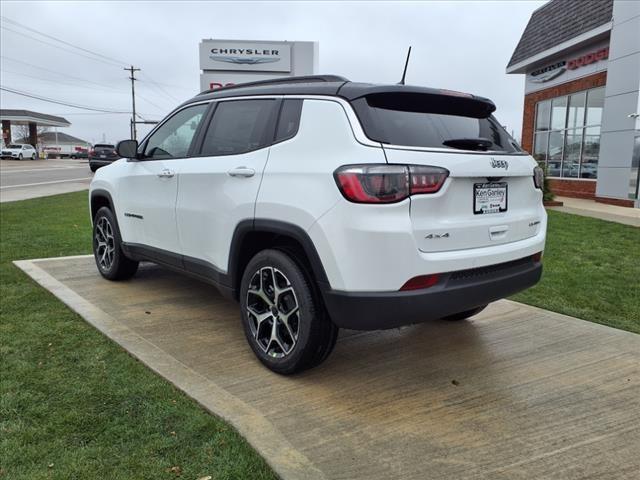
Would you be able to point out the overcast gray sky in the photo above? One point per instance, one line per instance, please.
(458, 45)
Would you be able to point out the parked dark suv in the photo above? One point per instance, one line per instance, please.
(102, 154)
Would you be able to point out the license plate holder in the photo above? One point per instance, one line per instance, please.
(490, 197)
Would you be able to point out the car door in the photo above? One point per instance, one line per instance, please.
(218, 187)
(148, 190)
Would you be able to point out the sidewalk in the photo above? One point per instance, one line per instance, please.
(516, 392)
(591, 208)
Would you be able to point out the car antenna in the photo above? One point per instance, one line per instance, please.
(406, 64)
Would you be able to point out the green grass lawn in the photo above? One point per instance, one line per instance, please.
(74, 405)
(591, 271)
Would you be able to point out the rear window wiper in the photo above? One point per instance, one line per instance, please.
(482, 144)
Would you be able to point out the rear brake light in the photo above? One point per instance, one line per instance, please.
(537, 257)
(422, 281)
(383, 183)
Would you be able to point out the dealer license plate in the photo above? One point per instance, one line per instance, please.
(489, 197)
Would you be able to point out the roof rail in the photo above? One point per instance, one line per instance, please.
(284, 80)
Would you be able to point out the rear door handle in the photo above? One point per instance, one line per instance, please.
(242, 172)
(166, 173)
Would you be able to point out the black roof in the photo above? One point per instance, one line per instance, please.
(559, 21)
(331, 85)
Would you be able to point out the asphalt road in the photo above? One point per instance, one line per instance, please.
(24, 179)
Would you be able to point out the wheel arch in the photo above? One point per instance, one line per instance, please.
(252, 236)
(100, 198)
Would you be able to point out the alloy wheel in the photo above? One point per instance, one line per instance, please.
(105, 243)
(273, 312)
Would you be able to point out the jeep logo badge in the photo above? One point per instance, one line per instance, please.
(499, 164)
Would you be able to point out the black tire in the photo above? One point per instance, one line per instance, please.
(113, 264)
(33, 156)
(93, 168)
(464, 315)
(314, 333)
(20, 156)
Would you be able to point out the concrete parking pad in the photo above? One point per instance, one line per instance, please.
(515, 393)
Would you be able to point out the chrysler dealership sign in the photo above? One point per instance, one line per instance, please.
(245, 56)
(588, 60)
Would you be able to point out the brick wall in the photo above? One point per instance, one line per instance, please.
(562, 187)
(573, 188)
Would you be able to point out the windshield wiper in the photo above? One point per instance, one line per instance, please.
(482, 144)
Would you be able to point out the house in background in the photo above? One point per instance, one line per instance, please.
(58, 144)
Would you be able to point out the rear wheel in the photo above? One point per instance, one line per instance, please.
(464, 315)
(93, 168)
(283, 317)
(33, 156)
(107, 248)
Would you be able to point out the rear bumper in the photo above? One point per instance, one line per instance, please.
(455, 292)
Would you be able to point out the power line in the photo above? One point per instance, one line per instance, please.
(59, 82)
(8, 20)
(159, 88)
(112, 64)
(51, 100)
(79, 79)
(152, 103)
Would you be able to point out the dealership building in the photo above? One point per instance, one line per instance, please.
(581, 61)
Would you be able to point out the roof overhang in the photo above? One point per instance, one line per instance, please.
(598, 33)
(26, 119)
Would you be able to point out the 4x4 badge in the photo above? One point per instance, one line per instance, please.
(499, 163)
(436, 235)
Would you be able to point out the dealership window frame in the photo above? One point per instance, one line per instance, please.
(571, 120)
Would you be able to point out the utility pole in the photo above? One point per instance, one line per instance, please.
(132, 71)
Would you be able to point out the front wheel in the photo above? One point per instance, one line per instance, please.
(107, 248)
(464, 315)
(19, 156)
(283, 317)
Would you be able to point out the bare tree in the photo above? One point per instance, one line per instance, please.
(22, 133)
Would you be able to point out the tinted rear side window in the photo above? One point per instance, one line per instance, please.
(419, 127)
(239, 126)
(289, 120)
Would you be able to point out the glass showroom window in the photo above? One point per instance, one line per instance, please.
(567, 134)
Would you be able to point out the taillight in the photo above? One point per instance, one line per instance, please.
(538, 177)
(422, 281)
(92, 151)
(537, 257)
(383, 183)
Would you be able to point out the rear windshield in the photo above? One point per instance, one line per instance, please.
(418, 125)
(103, 145)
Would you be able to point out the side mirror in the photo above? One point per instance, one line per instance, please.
(127, 148)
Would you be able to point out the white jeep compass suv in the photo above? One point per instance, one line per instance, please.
(319, 203)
